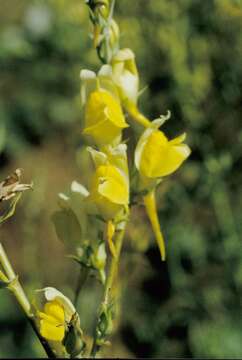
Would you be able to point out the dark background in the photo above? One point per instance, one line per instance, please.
(189, 53)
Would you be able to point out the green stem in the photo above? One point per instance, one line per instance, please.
(113, 266)
(14, 285)
(17, 290)
(113, 269)
(95, 349)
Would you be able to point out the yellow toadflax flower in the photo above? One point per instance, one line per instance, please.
(52, 321)
(156, 157)
(110, 183)
(103, 116)
(109, 188)
(104, 119)
(56, 315)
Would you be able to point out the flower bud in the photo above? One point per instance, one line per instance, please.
(113, 34)
(99, 7)
(99, 257)
(98, 260)
(105, 323)
(73, 341)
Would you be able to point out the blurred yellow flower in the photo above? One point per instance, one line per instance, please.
(104, 119)
(52, 321)
(156, 156)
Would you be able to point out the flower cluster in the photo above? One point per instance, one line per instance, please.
(106, 97)
(90, 220)
(93, 220)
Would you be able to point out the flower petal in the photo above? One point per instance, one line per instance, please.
(54, 294)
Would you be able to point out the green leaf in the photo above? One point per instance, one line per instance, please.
(11, 210)
(67, 227)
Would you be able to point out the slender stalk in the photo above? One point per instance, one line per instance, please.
(49, 352)
(95, 349)
(17, 290)
(14, 285)
(113, 269)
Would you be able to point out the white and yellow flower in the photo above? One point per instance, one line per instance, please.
(110, 184)
(57, 313)
(109, 188)
(155, 158)
(103, 116)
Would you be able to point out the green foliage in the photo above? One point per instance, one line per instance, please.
(67, 226)
(40, 64)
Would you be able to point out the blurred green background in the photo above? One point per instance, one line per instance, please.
(189, 54)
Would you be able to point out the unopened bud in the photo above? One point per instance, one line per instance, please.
(99, 7)
(73, 342)
(113, 34)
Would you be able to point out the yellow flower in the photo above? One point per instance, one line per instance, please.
(52, 321)
(109, 190)
(58, 311)
(103, 116)
(110, 183)
(104, 119)
(156, 156)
